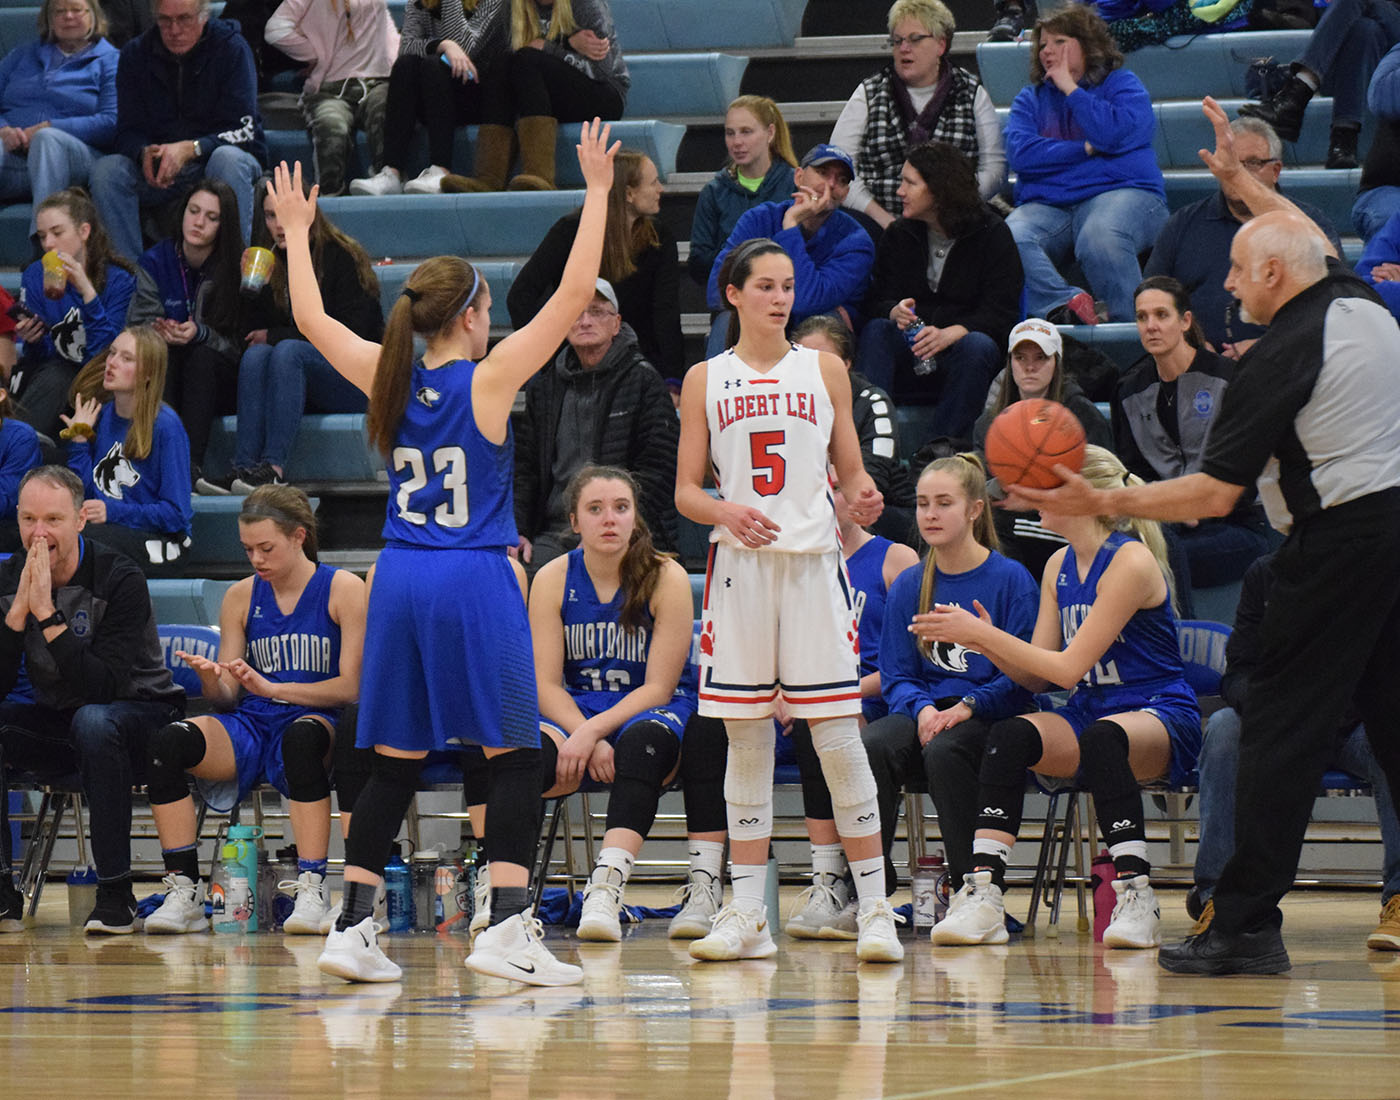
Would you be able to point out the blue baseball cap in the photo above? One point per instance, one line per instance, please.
(826, 154)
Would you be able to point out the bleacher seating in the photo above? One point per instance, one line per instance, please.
(498, 224)
(188, 600)
(214, 540)
(722, 24)
(330, 447)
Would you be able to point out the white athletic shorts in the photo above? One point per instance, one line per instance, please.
(778, 622)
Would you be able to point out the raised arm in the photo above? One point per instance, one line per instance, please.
(353, 356)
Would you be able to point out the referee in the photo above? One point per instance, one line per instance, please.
(1312, 416)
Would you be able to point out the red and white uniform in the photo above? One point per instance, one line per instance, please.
(781, 617)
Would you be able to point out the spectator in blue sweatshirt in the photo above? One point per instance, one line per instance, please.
(62, 333)
(19, 453)
(58, 102)
(132, 454)
(1380, 263)
(1088, 187)
(831, 253)
(943, 698)
(187, 107)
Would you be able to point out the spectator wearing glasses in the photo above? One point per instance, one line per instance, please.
(916, 98)
(1194, 245)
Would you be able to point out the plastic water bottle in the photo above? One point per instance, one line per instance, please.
(924, 883)
(398, 890)
(82, 894)
(240, 861)
(283, 902)
(427, 905)
(1102, 876)
(921, 366)
(940, 887)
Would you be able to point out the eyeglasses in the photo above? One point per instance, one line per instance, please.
(181, 22)
(76, 12)
(894, 41)
(1256, 163)
(600, 313)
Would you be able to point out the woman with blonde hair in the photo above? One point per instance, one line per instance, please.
(640, 260)
(1106, 632)
(132, 453)
(759, 169)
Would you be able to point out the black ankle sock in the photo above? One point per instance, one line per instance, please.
(116, 889)
(182, 861)
(996, 865)
(1128, 866)
(356, 903)
(508, 901)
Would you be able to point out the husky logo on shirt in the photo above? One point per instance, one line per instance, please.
(113, 472)
(70, 337)
(428, 396)
(950, 656)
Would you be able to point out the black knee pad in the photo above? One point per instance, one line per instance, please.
(380, 809)
(171, 751)
(305, 744)
(513, 806)
(1103, 761)
(474, 781)
(646, 751)
(549, 762)
(1013, 745)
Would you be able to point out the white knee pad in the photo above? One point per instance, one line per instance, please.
(846, 769)
(748, 778)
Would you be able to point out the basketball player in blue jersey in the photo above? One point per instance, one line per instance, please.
(447, 641)
(827, 907)
(290, 642)
(1107, 631)
(612, 626)
(779, 619)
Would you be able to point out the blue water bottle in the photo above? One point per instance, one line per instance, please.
(921, 366)
(240, 859)
(398, 891)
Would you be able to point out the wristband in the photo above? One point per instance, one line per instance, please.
(58, 618)
(78, 431)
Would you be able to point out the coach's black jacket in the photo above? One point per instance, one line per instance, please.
(636, 428)
(110, 650)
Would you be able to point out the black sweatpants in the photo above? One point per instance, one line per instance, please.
(424, 89)
(530, 82)
(1330, 637)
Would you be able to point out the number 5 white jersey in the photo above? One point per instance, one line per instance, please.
(770, 433)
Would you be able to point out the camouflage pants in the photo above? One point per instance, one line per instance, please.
(333, 114)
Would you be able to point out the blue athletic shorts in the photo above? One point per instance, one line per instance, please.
(674, 715)
(1174, 704)
(257, 751)
(448, 659)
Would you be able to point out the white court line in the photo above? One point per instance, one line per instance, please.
(1056, 1075)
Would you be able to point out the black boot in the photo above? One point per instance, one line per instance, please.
(1285, 111)
(1341, 147)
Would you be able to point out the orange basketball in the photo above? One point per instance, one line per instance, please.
(1029, 439)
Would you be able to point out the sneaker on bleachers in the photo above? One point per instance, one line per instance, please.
(1386, 937)
(515, 950)
(261, 474)
(427, 182)
(11, 906)
(355, 955)
(1137, 919)
(181, 911)
(384, 182)
(740, 931)
(879, 942)
(208, 485)
(827, 912)
(311, 905)
(115, 911)
(700, 901)
(976, 914)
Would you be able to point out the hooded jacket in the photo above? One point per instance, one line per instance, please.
(635, 427)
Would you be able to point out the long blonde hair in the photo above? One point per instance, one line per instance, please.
(151, 358)
(967, 469)
(525, 25)
(768, 114)
(1104, 470)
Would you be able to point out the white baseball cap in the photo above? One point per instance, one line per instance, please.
(1042, 334)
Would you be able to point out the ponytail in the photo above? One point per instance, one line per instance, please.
(1104, 470)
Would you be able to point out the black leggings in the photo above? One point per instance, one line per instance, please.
(704, 753)
(531, 82)
(643, 756)
(200, 384)
(423, 89)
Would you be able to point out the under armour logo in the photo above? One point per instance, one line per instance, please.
(728, 583)
(728, 382)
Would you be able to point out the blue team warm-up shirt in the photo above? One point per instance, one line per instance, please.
(866, 570)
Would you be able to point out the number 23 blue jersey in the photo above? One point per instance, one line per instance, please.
(450, 488)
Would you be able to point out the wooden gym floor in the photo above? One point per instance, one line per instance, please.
(251, 1017)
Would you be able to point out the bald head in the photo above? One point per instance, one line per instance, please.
(1273, 258)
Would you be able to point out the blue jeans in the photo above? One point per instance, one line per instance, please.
(105, 743)
(1373, 209)
(276, 384)
(1219, 765)
(957, 387)
(1346, 46)
(1105, 234)
(120, 191)
(56, 159)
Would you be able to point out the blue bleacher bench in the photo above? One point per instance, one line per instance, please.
(329, 447)
(682, 83)
(498, 274)
(708, 25)
(214, 539)
(505, 223)
(192, 600)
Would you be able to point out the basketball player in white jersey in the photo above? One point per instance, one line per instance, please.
(778, 621)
